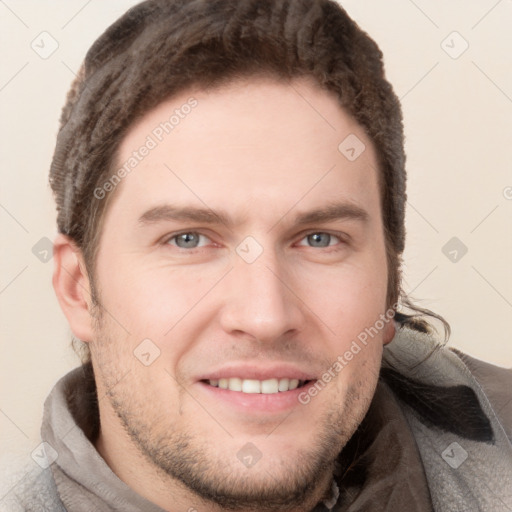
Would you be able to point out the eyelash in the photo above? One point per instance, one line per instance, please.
(342, 237)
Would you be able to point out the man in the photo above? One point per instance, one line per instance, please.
(230, 185)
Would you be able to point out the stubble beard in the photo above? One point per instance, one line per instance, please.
(290, 483)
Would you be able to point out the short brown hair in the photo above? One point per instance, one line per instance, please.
(162, 47)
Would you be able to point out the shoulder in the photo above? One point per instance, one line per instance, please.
(496, 383)
(447, 387)
(30, 490)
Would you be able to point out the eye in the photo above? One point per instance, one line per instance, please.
(188, 240)
(320, 239)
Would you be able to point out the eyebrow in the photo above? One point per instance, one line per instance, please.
(330, 212)
(169, 212)
(334, 211)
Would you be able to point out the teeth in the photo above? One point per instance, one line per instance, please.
(251, 386)
(235, 384)
(294, 383)
(284, 384)
(268, 387)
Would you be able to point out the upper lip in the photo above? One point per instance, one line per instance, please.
(258, 371)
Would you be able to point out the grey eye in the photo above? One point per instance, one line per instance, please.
(319, 239)
(187, 240)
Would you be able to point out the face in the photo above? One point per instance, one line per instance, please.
(240, 260)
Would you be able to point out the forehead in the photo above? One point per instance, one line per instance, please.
(245, 145)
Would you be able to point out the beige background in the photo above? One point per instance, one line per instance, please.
(457, 118)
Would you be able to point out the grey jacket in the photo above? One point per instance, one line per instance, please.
(437, 437)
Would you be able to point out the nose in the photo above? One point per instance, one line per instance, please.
(260, 301)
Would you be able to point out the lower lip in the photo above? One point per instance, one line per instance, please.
(258, 402)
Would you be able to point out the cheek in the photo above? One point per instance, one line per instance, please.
(153, 299)
(348, 297)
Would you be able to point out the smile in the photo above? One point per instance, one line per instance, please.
(252, 386)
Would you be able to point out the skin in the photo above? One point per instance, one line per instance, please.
(263, 152)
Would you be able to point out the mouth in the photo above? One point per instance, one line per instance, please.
(253, 386)
(255, 398)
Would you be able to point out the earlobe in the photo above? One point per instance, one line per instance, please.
(72, 287)
(389, 332)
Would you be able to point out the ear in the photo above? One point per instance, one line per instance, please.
(389, 332)
(72, 287)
